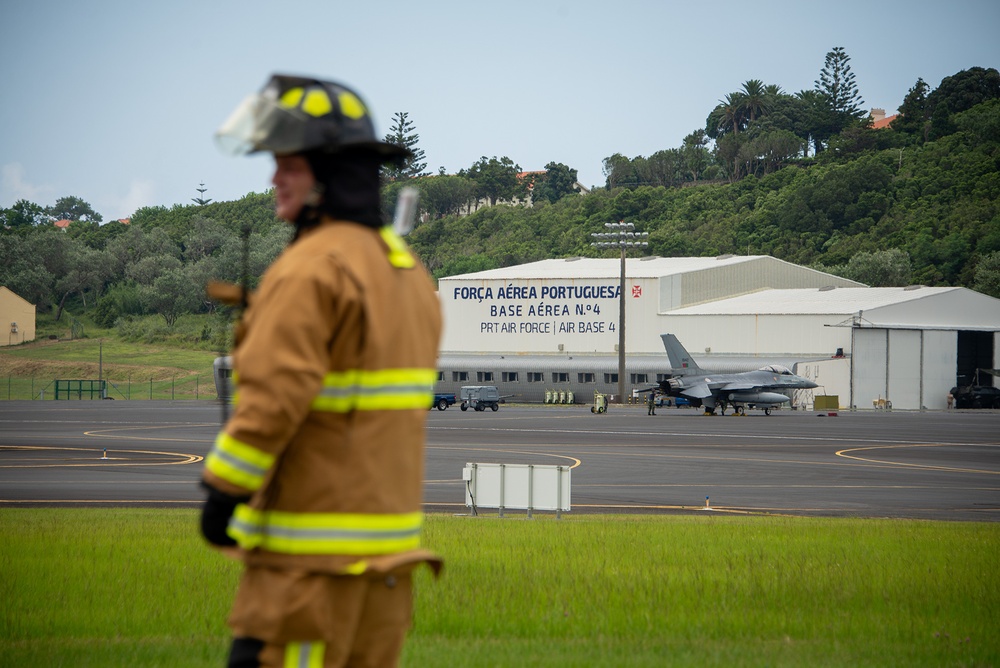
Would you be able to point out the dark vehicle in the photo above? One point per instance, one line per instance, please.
(976, 396)
(443, 400)
(663, 400)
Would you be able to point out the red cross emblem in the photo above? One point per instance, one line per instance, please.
(636, 290)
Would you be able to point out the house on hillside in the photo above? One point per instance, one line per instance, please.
(17, 316)
(880, 120)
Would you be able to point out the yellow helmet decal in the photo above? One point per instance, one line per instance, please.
(314, 102)
(291, 97)
(317, 103)
(351, 106)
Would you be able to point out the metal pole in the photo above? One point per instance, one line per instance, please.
(621, 334)
(622, 236)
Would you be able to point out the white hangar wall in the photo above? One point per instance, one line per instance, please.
(759, 335)
(572, 305)
(911, 368)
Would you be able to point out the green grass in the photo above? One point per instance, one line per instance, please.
(119, 587)
(171, 368)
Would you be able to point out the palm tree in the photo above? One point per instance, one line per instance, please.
(732, 109)
(754, 99)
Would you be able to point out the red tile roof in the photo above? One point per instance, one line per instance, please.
(884, 123)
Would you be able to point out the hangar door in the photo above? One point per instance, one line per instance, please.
(975, 351)
(887, 365)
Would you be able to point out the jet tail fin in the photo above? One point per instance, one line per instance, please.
(680, 360)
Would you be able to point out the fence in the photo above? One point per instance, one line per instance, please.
(132, 387)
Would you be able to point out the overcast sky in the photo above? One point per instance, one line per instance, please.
(116, 101)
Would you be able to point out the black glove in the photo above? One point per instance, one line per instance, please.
(215, 516)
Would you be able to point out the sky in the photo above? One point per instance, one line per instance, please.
(117, 101)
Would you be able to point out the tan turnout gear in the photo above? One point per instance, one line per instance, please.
(335, 363)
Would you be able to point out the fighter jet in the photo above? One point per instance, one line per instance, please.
(750, 389)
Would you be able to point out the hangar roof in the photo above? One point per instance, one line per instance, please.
(591, 267)
(910, 307)
(845, 301)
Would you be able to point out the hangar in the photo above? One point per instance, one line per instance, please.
(553, 326)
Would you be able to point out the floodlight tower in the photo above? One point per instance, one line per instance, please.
(620, 235)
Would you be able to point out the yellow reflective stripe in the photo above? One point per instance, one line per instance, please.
(325, 533)
(399, 252)
(382, 390)
(304, 654)
(238, 462)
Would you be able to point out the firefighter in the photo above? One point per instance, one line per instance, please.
(315, 482)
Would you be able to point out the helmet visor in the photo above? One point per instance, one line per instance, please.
(260, 123)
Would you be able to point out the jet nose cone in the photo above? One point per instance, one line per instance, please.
(809, 384)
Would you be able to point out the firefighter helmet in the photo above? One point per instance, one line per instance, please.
(294, 114)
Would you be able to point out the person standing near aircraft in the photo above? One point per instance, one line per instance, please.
(651, 403)
(315, 482)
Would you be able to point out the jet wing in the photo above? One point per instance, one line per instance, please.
(738, 387)
(699, 391)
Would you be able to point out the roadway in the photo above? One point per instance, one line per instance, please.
(938, 465)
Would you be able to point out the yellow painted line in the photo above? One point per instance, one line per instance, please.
(928, 467)
(114, 501)
(106, 433)
(114, 459)
(462, 448)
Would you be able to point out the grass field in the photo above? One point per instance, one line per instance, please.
(165, 369)
(123, 587)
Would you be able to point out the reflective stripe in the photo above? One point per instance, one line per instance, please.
(238, 462)
(399, 252)
(325, 533)
(304, 654)
(384, 390)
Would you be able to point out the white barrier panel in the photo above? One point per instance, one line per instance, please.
(521, 486)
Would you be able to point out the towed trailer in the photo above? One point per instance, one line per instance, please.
(480, 397)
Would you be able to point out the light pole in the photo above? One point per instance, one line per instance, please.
(621, 235)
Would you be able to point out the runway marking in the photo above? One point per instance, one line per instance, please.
(104, 433)
(113, 460)
(929, 467)
(677, 434)
(114, 501)
(576, 462)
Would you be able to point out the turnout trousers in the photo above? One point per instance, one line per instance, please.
(289, 619)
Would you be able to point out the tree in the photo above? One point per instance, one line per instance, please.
(815, 120)
(914, 113)
(73, 208)
(403, 133)
(23, 216)
(171, 295)
(201, 200)
(836, 82)
(881, 269)
(988, 275)
(755, 99)
(617, 171)
(558, 181)
(443, 195)
(964, 90)
(695, 153)
(729, 116)
(495, 179)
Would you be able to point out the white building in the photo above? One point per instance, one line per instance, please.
(556, 322)
(571, 305)
(909, 346)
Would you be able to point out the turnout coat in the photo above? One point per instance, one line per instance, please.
(335, 364)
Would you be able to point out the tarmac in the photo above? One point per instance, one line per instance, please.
(929, 465)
